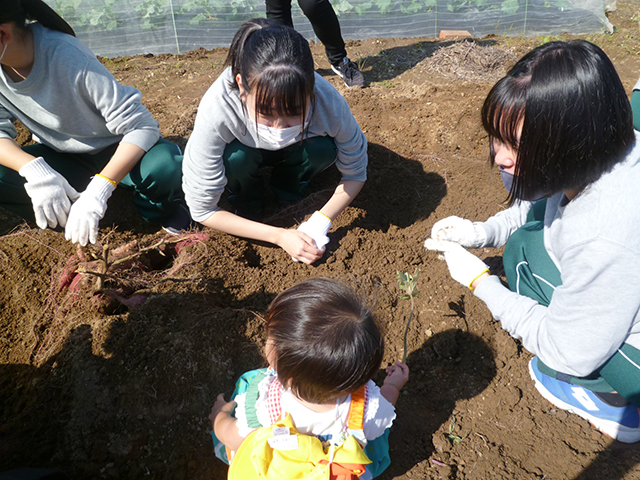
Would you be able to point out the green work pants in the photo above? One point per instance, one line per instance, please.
(531, 272)
(293, 167)
(635, 107)
(156, 178)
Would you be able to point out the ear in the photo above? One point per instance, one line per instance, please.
(6, 34)
(240, 86)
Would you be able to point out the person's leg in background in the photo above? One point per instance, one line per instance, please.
(280, 12)
(326, 26)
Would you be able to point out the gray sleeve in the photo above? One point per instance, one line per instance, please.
(352, 158)
(333, 117)
(7, 128)
(203, 174)
(120, 105)
(500, 227)
(590, 314)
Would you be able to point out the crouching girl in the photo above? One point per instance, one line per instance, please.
(561, 131)
(269, 108)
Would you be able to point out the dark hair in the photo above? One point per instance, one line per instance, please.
(326, 342)
(20, 12)
(574, 112)
(275, 62)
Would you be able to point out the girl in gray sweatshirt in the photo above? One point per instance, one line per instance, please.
(561, 127)
(91, 132)
(270, 108)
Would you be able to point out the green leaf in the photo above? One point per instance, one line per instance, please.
(197, 19)
(510, 6)
(341, 6)
(362, 8)
(383, 5)
(413, 7)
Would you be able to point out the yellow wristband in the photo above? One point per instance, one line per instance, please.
(330, 221)
(107, 179)
(486, 270)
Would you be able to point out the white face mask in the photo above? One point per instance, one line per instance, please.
(276, 137)
(3, 52)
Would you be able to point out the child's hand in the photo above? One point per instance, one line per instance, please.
(221, 406)
(397, 375)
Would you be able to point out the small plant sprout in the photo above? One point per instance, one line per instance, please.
(453, 438)
(407, 283)
(362, 63)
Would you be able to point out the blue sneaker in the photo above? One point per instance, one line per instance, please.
(621, 423)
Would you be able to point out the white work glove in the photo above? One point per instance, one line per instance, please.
(87, 211)
(464, 267)
(50, 193)
(459, 230)
(317, 227)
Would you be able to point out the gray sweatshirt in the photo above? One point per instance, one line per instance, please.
(594, 240)
(70, 102)
(221, 120)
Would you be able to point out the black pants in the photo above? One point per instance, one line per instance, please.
(323, 20)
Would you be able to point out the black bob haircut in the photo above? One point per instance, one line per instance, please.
(276, 64)
(325, 341)
(574, 113)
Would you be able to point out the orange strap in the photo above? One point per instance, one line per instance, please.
(344, 471)
(356, 410)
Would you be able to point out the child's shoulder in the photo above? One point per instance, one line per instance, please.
(252, 394)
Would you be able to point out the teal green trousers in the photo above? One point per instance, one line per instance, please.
(531, 272)
(156, 179)
(293, 167)
(635, 107)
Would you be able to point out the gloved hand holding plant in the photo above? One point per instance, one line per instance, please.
(459, 230)
(87, 211)
(464, 267)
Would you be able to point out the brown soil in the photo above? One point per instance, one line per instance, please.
(100, 390)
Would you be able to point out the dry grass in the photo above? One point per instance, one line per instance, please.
(468, 60)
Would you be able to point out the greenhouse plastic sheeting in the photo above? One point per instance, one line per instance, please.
(131, 27)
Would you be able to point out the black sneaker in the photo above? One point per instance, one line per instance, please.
(349, 72)
(178, 222)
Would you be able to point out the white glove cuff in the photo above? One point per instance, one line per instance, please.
(100, 188)
(320, 222)
(36, 168)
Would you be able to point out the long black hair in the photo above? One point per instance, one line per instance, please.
(20, 12)
(276, 64)
(574, 113)
(325, 340)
